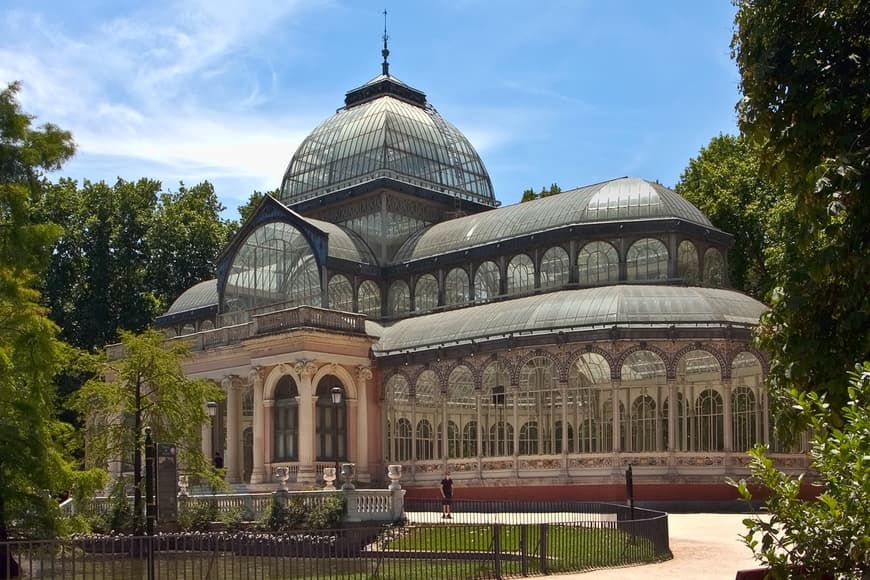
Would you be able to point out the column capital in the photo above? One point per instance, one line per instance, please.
(255, 375)
(364, 373)
(305, 368)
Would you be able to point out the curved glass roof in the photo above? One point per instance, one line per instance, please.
(386, 136)
(570, 310)
(344, 243)
(627, 198)
(197, 296)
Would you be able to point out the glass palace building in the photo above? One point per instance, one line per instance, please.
(544, 344)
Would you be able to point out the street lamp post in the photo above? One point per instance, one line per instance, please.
(336, 393)
(212, 412)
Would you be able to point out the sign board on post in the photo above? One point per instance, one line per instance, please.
(167, 483)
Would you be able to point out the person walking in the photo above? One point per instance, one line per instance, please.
(446, 496)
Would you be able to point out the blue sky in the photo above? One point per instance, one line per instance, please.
(572, 92)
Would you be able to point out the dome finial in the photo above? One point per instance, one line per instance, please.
(386, 51)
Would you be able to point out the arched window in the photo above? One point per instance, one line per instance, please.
(714, 268)
(709, 421)
(697, 371)
(607, 443)
(680, 412)
(529, 438)
(398, 298)
(469, 439)
(454, 448)
(340, 293)
(486, 282)
(744, 425)
(539, 400)
(598, 263)
(495, 410)
(286, 417)
(461, 400)
(643, 424)
(554, 268)
(426, 293)
(588, 378)
(403, 440)
(424, 440)
(369, 299)
(570, 438)
(456, 287)
(520, 275)
(647, 259)
(644, 381)
(687, 262)
(274, 268)
(398, 401)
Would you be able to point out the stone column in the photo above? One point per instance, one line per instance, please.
(363, 376)
(258, 472)
(307, 410)
(269, 437)
(673, 415)
(234, 410)
(617, 444)
(207, 450)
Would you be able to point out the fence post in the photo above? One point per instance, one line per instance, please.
(496, 549)
(524, 550)
(545, 561)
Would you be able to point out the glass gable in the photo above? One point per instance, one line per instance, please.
(274, 268)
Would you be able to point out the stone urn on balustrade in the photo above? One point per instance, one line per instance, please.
(394, 472)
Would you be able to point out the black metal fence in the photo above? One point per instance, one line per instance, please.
(484, 540)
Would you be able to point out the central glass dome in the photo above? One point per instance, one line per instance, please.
(386, 130)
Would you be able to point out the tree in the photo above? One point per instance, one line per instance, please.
(826, 537)
(34, 464)
(805, 77)
(724, 181)
(530, 195)
(186, 238)
(145, 387)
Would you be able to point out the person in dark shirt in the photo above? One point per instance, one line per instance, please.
(446, 495)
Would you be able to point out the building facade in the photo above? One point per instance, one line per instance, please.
(549, 343)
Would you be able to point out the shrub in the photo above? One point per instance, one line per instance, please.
(830, 535)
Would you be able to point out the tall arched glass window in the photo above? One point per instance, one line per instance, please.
(330, 422)
(469, 440)
(529, 438)
(274, 268)
(709, 421)
(425, 293)
(340, 293)
(369, 299)
(647, 259)
(554, 268)
(539, 400)
(687, 262)
(747, 380)
(461, 401)
(697, 371)
(496, 410)
(456, 287)
(569, 437)
(714, 268)
(286, 420)
(643, 424)
(588, 382)
(425, 441)
(520, 275)
(644, 382)
(398, 298)
(486, 282)
(744, 427)
(677, 411)
(397, 395)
